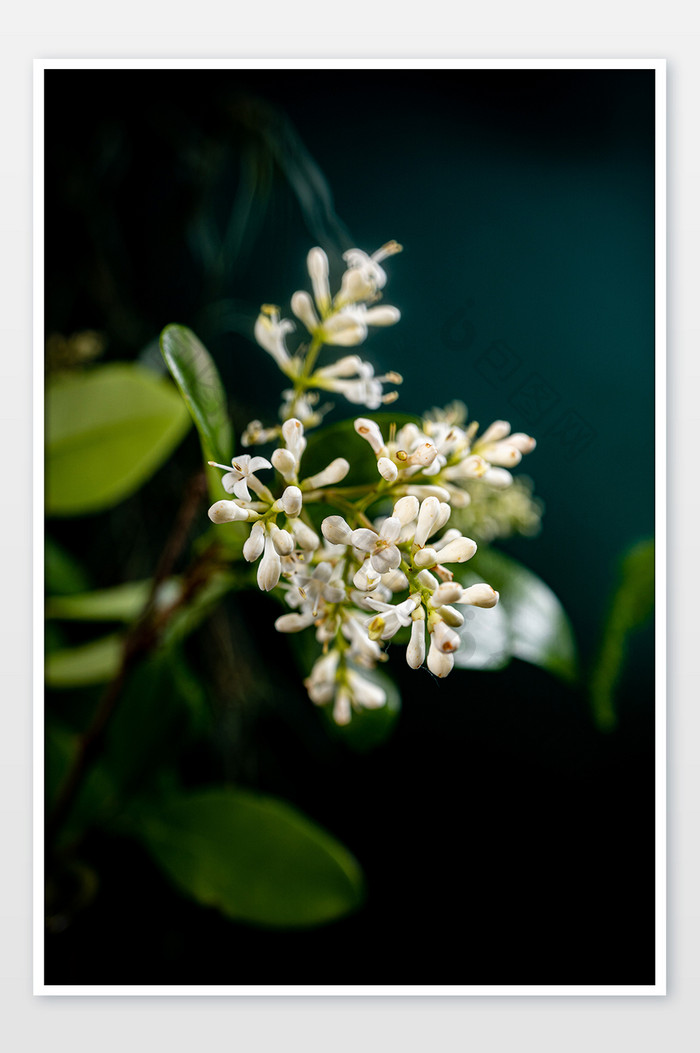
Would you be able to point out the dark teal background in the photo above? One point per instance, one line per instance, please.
(504, 838)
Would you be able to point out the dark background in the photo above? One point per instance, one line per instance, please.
(504, 838)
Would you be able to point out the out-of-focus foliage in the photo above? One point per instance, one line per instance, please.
(107, 430)
(631, 605)
(528, 622)
(122, 603)
(95, 662)
(253, 857)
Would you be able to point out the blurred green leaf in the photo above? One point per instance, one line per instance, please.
(632, 605)
(161, 705)
(97, 793)
(255, 858)
(528, 622)
(369, 728)
(122, 603)
(191, 616)
(63, 573)
(91, 663)
(107, 430)
(198, 379)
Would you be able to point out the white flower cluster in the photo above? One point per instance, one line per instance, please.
(444, 455)
(363, 581)
(343, 320)
(355, 586)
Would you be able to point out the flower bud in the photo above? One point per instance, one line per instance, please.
(415, 652)
(370, 431)
(480, 595)
(282, 540)
(255, 543)
(452, 617)
(293, 435)
(269, 568)
(495, 432)
(383, 315)
(423, 456)
(445, 638)
(428, 490)
(387, 469)
(439, 663)
(228, 512)
(458, 551)
(523, 443)
(504, 455)
(306, 538)
(335, 472)
(293, 622)
(317, 264)
(342, 710)
(425, 557)
(406, 510)
(427, 580)
(303, 308)
(500, 478)
(427, 522)
(291, 500)
(285, 463)
(336, 530)
(448, 592)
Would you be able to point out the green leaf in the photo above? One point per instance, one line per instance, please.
(63, 574)
(122, 603)
(107, 431)
(632, 605)
(528, 622)
(97, 793)
(255, 858)
(96, 662)
(161, 704)
(198, 379)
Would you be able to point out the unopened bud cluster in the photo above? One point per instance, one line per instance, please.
(361, 581)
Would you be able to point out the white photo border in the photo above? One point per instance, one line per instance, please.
(658, 988)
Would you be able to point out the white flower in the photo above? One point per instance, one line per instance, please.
(355, 380)
(383, 553)
(242, 474)
(364, 277)
(390, 617)
(321, 683)
(270, 333)
(362, 650)
(500, 448)
(316, 587)
(345, 327)
(255, 434)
